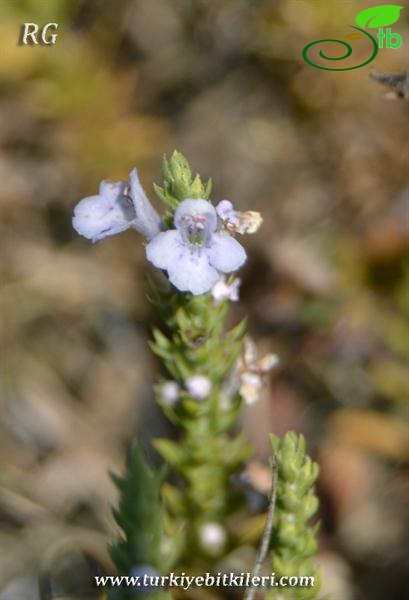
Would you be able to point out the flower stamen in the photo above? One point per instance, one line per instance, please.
(195, 230)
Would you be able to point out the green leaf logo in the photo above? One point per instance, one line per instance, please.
(378, 16)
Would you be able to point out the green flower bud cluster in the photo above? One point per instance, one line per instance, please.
(294, 543)
(179, 184)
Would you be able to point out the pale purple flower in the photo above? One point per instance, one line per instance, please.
(226, 212)
(117, 207)
(170, 392)
(199, 386)
(224, 291)
(196, 252)
(212, 537)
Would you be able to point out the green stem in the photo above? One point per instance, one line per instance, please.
(205, 456)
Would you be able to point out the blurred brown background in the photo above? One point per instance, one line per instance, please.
(323, 155)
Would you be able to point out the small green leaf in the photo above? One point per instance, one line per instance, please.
(161, 340)
(196, 188)
(170, 451)
(208, 189)
(378, 16)
(140, 514)
(173, 498)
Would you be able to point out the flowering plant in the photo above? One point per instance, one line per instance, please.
(187, 517)
(194, 253)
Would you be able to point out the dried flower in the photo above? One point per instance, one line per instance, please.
(252, 372)
(195, 253)
(238, 222)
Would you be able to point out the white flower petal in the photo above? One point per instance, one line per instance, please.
(192, 272)
(225, 253)
(111, 190)
(212, 537)
(170, 392)
(147, 220)
(97, 217)
(224, 209)
(165, 249)
(222, 291)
